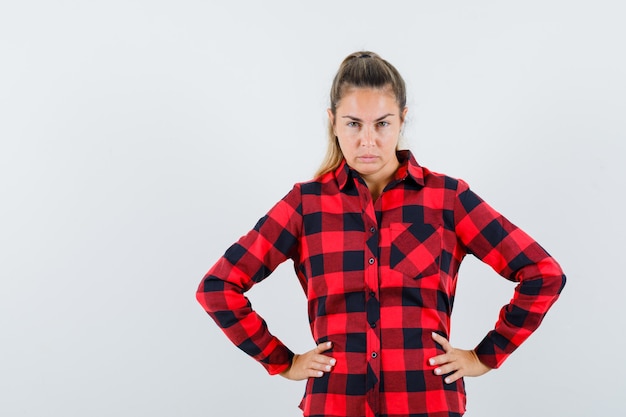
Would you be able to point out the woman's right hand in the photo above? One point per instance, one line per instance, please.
(311, 364)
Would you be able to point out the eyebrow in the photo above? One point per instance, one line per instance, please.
(356, 119)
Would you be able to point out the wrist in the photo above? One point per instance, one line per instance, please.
(289, 366)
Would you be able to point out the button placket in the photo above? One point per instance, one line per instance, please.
(372, 283)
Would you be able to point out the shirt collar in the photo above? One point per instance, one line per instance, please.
(409, 168)
(343, 173)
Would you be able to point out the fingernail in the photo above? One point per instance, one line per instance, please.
(437, 371)
(447, 380)
(431, 361)
(320, 373)
(434, 334)
(329, 344)
(327, 368)
(333, 362)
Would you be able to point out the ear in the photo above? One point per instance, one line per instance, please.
(331, 119)
(404, 112)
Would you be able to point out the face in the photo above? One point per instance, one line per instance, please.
(368, 123)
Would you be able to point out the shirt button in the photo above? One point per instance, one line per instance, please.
(372, 229)
(374, 355)
(373, 325)
(371, 261)
(372, 294)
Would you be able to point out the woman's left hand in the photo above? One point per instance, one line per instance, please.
(464, 362)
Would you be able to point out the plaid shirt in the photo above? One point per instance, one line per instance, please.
(380, 276)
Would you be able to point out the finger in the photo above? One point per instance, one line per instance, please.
(445, 369)
(452, 378)
(321, 367)
(324, 359)
(318, 365)
(305, 368)
(323, 347)
(442, 341)
(322, 362)
(312, 373)
(325, 366)
(439, 360)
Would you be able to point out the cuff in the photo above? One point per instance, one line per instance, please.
(279, 360)
(493, 350)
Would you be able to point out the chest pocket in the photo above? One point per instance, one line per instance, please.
(415, 248)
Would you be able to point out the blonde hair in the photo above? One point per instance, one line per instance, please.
(359, 70)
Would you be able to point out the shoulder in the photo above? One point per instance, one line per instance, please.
(306, 189)
(437, 180)
(319, 185)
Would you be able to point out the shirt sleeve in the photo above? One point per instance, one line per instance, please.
(251, 259)
(516, 256)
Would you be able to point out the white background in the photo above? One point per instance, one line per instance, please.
(139, 139)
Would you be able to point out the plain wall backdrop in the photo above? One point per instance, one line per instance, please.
(139, 139)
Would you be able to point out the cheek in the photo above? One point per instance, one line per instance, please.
(390, 143)
(390, 138)
(345, 148)
(346, 141)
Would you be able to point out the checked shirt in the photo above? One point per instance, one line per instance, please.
(380, 277)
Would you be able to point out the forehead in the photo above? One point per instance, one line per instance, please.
(368, 100)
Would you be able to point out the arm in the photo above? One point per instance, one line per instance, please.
(517, 257)
(247, 262)
(514, 255)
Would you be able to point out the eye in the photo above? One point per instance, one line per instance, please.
(383, 123)
(353, 124)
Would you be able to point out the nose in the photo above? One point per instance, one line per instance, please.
(368, 137)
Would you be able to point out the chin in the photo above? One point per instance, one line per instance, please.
(366, 170)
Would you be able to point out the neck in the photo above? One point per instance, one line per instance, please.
(377, 183)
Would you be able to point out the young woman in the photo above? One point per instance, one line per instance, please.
(377, 241)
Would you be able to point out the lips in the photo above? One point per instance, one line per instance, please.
(367, 158)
